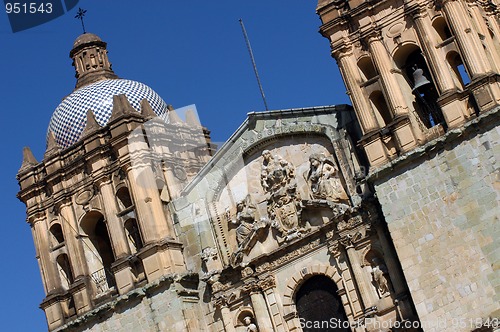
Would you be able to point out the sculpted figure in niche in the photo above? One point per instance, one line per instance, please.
(251, 327)
(379, 272)
(323, 177)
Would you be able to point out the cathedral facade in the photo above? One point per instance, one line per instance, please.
(376, 217)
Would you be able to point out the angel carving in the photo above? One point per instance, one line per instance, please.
(324, 180)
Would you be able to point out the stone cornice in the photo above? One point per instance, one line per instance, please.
(136, 295)
(480, 124)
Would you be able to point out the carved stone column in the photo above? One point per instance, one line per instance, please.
(121, 267)
(467, 38)
(384, 63)
(352, 79)
(480, 22)
(221, 303)
(42, 243)
(359, 276)
(259, 307)
(51, 305)
(116, 229)
(267, 285)
(442, 75)
(147, 199)
(72, 239)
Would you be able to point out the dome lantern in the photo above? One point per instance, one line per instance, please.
(90, 59)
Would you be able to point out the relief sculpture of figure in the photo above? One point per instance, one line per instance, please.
(323, 177)
(245, 218)
(276, 173)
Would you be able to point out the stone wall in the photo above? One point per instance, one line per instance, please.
(165, 305)
(441, 204)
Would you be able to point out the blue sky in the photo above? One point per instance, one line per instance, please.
(189, 52)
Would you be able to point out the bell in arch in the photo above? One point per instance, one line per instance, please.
(419, 78)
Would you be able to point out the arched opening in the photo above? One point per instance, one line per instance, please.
(318, 305)
(56, 234)
(123, 198)
(460, 75)
(380, 108)
(425, 93)
(98, 251)
(366, 68)
(133, 235)
(64, 269)
(441, 28)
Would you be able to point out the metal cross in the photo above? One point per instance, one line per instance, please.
(79, 15)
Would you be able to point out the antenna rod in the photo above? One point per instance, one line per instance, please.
(253, 63)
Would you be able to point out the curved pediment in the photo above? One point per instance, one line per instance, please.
(275, 180)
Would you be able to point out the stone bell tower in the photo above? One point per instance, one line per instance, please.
(423, 77)
(414, 69)
(97, 203)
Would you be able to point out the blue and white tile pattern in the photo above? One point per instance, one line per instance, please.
(69, 118)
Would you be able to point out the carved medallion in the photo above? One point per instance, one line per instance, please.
(84, 197)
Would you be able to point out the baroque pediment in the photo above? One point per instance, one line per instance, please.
(290, 188)
(273, 182)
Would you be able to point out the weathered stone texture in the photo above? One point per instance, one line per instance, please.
(443, 217)
(159, 311)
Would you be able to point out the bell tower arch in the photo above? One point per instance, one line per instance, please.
(413, 70)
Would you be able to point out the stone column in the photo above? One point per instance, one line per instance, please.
(352, 79)
(482, 26)
(467, 38)
(116, 229)
(149, 208)
(145, 191)
(392, 87)
(259, 308)
(442, 75)
(221, 303)
(76, 252)
(48, 269)
(267, 285)
(358, 274)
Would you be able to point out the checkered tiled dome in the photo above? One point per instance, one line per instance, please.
(69, 118)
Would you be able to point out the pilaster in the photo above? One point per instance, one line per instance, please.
(259, 306)
(116, 229)
(352, 79)
(72, 238)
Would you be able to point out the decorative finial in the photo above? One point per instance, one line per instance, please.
(79, 15)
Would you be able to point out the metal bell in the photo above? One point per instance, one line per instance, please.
(419, 78)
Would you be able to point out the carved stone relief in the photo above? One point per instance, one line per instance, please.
(248, 229)
(284, 204)
(265, 203)
(323, 179)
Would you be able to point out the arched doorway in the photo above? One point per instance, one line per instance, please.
(320, 307)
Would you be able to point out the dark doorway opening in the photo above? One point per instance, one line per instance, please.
(320, 307)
